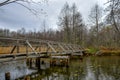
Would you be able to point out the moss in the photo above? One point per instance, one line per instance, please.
(92, 50)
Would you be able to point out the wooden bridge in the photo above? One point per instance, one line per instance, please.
(12, 49)
(33, 50)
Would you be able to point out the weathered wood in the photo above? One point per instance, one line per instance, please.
(36, 47)
(57, 48)
(38, 63)
(7, 76)
(17, 46)
(30, 63)
(48, 48)
(27, 78)
(61, 47)
(59, 61)
(27, 50)
(31, 46)
(52, 47)
(60, 57)
(13, 49)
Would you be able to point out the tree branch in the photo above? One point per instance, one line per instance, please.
(33, 11)
(22, 3)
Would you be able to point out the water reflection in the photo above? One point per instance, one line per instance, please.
(16, 69)
(103, 68)
(106, 68)
(91, 68)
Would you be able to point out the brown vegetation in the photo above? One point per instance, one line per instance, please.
(110, 51)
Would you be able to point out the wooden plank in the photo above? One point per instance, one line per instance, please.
(60, 57)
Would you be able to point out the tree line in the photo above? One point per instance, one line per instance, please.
(105, 31)
(104, 25)
(22, 33)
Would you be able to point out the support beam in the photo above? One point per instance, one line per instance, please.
(36, 47)
(7, 76)
(61, 47)
(13, 49)
(51, 47)
(67, 48)
(17, 46)
(31, 46)
(70, 47)
(26, 49)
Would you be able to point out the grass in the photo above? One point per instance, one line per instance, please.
(104, 51)
(91, 50)
(111, 52)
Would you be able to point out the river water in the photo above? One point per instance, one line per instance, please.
(90, 68)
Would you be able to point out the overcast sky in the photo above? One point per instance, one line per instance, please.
(14, 16)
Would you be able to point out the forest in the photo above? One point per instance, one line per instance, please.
(59, 39)
(103, 30)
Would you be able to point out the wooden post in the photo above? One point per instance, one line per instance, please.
(17, 46)
(67, 63)
(27, 78)
(38, 63)
(27, 50)
(7, 76)
(81, 59)
(30, 62)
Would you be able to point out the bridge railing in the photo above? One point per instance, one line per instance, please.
(19, 47)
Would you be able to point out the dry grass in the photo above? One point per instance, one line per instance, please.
(110, 51)
(104, 51)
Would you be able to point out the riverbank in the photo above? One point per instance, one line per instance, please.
(103, 52)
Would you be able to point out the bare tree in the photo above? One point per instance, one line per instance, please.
(74, 13)
(44, 28)
(114, 14)
(77, 25)
(113, 17)
(24, 4)
(72, 24)
(64, 22)
(95, 18)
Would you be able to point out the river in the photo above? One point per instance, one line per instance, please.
(90, 68)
